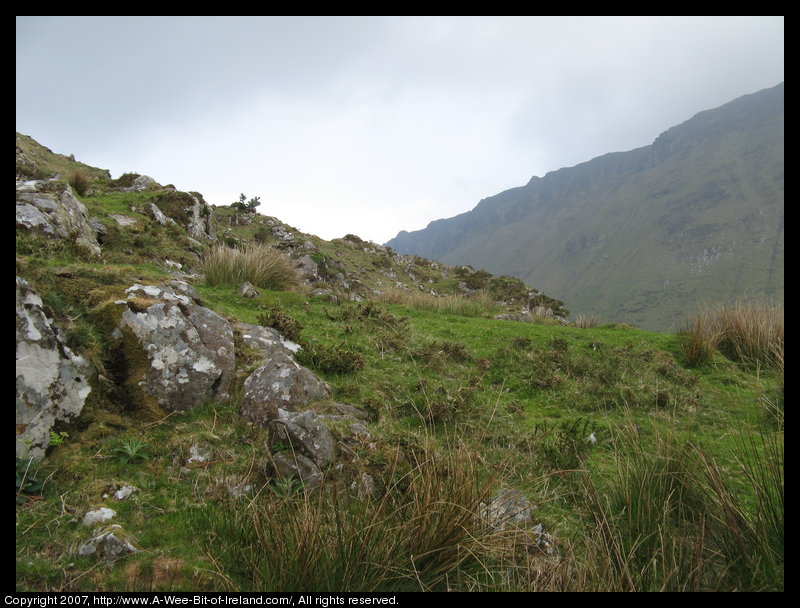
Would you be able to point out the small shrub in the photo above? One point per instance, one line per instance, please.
(283, 322)
(333, 359)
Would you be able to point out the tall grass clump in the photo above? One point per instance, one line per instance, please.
(421, 531)
(670, 519)
(258, 264)
(80, 182)
(747, 332)
(476, 305)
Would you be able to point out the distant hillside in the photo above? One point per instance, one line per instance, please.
(643, 236)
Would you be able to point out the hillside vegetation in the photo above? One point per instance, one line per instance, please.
(640, 466)
(646, 236)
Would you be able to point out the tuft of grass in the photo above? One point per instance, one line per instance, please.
(747, 332)
(259, 264)
(479, 304)
(80, 182)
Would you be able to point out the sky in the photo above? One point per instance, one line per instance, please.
(373, 125)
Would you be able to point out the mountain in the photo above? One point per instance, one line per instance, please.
(644, 236)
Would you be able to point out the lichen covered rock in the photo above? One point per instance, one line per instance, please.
(52, 381)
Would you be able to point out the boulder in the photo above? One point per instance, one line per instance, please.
(287, 464)
(50, 208)
(142, 182)
(306, 433)
(266, 339)
(109, 544)
(171, 353)
(52, 381)
(156, 213)
(280, 383)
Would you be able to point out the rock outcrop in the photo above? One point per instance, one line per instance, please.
(50, 208)
(52, 381)
(171, 353)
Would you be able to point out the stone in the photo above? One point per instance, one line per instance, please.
(141, 183)
(109, 544)
(98, 516)
(51, 208)
(125, 492)
(248, 291)
(265, 339)
(286, 464)
(52, 382)
(153, 211)
(507, 507)
(306, 433)
(280, 383)
(170, 352)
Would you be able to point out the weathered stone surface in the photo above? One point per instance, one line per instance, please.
(280, 383)
(156, 213)
(200, 225)
(306, 433)
(143, 182)
(51, 208)
(171, 350)
(508, 507)
(248, 291)
(109, 544)
(287, 464)
(266, 339)
(98, 516)
(52, 381)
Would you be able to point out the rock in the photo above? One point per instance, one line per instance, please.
(124, 492)
(156, 213)
(143, 182)
(280, 383)
(50, 208)
(98, 516)
(170, 353)
(198, 454)
(266, 339)
(109, 544)
(248, 291)
(306, 433)
(52, 381)
(287, 464)
(307, 268)
(508, 507)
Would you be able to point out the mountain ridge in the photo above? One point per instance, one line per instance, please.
(672, 208)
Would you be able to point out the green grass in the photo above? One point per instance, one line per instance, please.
(461, 406)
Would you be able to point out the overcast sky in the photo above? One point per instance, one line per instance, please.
(372, 125)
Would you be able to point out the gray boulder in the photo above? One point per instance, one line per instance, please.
(153, 211)
(172, 354)
(109, 544)
(52, 381)
(306, 433)
(280, 383)
(248, 291)
(50, 208)
(265, 339)
(287, 464)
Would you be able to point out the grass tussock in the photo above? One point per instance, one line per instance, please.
(746, 332)
(479, 304)
(670, 519)
(422, 531)
(258, 264)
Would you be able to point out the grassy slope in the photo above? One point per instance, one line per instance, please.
(518, 398)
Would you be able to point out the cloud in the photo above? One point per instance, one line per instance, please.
(372, 125)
